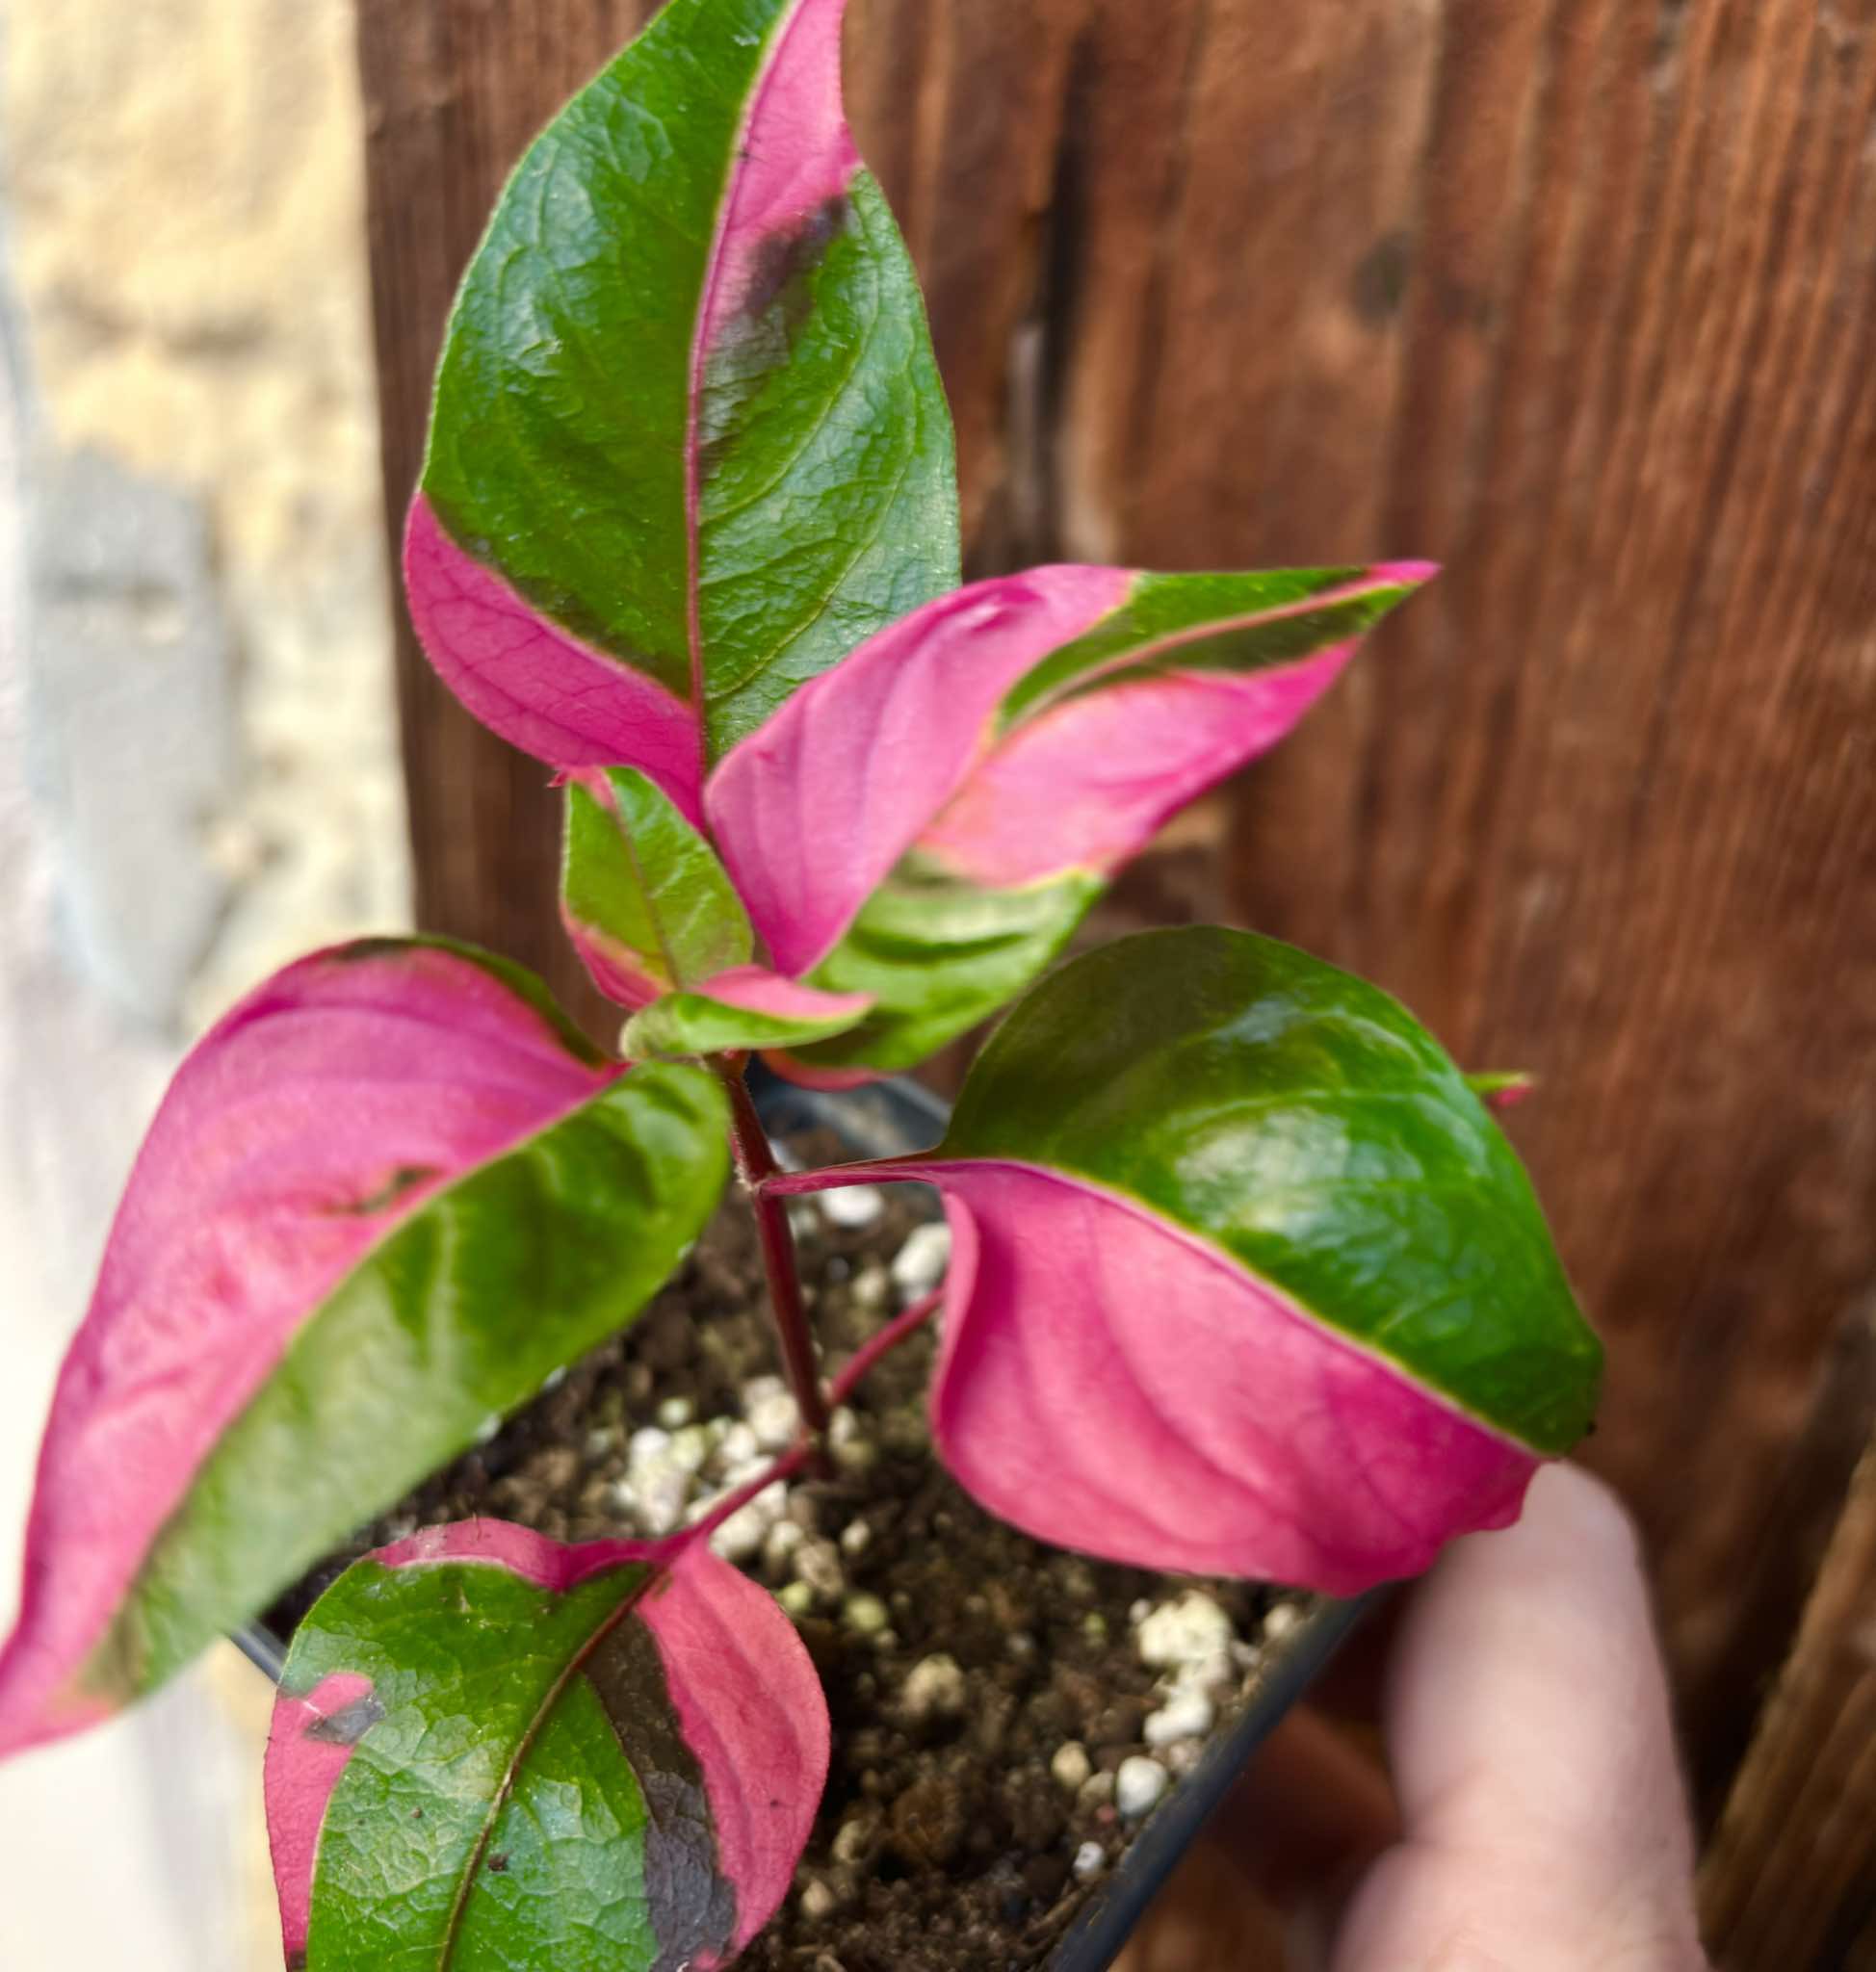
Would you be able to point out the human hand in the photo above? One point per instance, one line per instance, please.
(1544, 1820)
(1538, 1822)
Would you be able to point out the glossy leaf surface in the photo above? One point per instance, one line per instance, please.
(739, 1011)
(494, 1750)
(1247, 1280)
(643, 898)
(689, 446)
(935, 954)
(976, 772)
(384, 1198)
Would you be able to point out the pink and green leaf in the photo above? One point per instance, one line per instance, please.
(1247, 1280)
(385, 1196)
(689, 445)
(739, 1011)
(977, 772)
(643, 898)
(1502, 1089)
(493, 1748)
(936, 954)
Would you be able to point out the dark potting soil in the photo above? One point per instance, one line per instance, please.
(959, 1657)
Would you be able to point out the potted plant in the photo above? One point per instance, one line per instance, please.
(1243, 1280)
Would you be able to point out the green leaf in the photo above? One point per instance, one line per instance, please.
(461, 1314)
(736, 1012)
(1303, 1122)
(938, 954)
(642, 895)
(1171, 625)
(493, 1750)
(687, 410)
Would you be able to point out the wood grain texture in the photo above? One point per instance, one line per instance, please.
(1803, 1504)
(453, 91)
(1791, 1880)
(1575, 295)
(1580, 298)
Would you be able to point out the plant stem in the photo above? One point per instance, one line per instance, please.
(755, 1163)
(884, 1343)
(797, 1455)
(806, 1448)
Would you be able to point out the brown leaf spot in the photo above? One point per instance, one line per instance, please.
(784, 260)
(362, 949)
(405, 1178)
(348, 1724)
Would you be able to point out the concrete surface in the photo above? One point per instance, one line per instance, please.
(185, 185)
(198, 767)
(128, 1848)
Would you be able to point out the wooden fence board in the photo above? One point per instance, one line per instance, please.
(1576, 295)
(453, 90)
(1791, 1880)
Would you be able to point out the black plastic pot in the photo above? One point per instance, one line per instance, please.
(891, 1119)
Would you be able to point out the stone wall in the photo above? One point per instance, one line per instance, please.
(198, 764)
(185, 195)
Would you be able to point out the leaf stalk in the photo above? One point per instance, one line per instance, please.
(755, 1165)
(807, 1447)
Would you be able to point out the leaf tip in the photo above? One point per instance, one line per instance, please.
(1501, 1091)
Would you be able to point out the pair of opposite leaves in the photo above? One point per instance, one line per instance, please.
(1245, 1281)
(689, 509)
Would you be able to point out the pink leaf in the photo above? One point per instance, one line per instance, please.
(797, 157)
(324, 1110)
(535, 684)
(813, 811)
(1276, 1450)
(618, 971)
(750, 1705)
(1089, 785)
(753, 989)
(1109, 1383)
(808, 1075)
(1024, 729)
(309, 1746)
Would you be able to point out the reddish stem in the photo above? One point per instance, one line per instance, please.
(807, 1447)
(884, 1343)
(786, 1467)
(755, 1165)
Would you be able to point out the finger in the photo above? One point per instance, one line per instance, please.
(1533, 1756)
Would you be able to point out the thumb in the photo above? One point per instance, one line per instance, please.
(1533, 1756)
